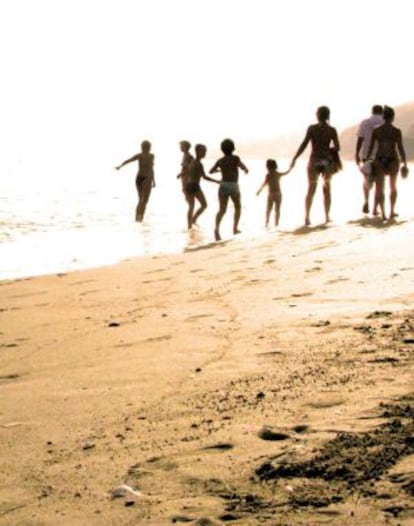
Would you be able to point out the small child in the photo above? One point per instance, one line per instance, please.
(274, 196)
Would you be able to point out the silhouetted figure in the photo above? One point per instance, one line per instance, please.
(324, 159)
(274, 195)
(185, 165)
(229, 166)
(387, 139)
(366, 166)
(193, 189)
(145, 180)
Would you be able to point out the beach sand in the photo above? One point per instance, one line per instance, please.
(242, 382)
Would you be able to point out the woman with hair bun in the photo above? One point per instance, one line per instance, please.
(324, 159)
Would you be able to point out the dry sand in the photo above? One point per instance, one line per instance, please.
(244, 382)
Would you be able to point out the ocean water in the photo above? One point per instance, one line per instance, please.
(52, 223)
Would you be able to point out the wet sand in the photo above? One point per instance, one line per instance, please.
(240, 382)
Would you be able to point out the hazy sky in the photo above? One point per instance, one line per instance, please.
(92, 78)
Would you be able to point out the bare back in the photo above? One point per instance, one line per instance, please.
(388, 140)
(322, 137)
(229, 167)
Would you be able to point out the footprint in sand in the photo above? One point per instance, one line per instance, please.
(300, 428)
(9, 377)
(30, 294)
(266, 433)
(379, 314)
(384, 359)
(155, 271)
(198, 316)
(238, 278)
(336, 280)
(313, 269)
(301, 294)
(148, 281)
(321, 323)
(159, 338)
(271, 353)
(124, 345)
(222, 446)
(75, 283)
(326, 403)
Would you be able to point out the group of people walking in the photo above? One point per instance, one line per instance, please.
(379, 152)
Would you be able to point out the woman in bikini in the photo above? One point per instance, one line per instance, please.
(145, 180)
(324, 159)
(390, 152)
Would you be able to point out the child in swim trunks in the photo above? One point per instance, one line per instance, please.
(193, 189)
(229, 166)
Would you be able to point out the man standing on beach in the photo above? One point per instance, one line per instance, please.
(364, 135)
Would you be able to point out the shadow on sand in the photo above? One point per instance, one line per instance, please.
(376, 222)
(307, 229)
(205, 246)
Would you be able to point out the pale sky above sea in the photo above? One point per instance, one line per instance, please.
(85, 81)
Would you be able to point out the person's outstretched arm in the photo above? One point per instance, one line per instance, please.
(204, 176)
(265, 182)
(130, 160)
(285, 172)
(301, 148)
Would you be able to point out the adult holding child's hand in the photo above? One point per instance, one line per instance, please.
(324, 159)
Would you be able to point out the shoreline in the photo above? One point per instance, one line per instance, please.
(163, 373)
(198, 239)
(97, 238)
